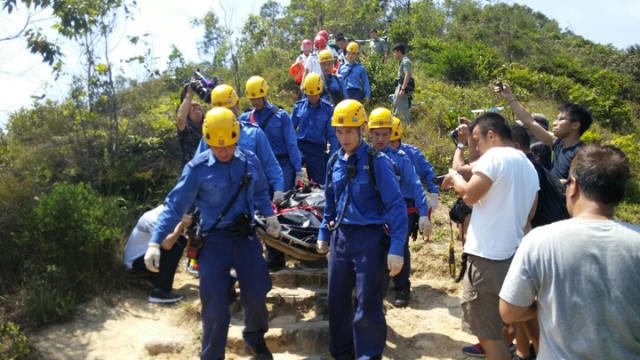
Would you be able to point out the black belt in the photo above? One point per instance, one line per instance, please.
(282, 156)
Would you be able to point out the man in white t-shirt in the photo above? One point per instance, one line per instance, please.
(503, 191)
(581, 276)
(171, 251)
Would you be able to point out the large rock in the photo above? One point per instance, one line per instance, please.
(163, 346)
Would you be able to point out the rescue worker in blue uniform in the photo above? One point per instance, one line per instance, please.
(312, 119)
(333, 91)
(380, 125)
(228, 185)
(355, 215)
(277, 125)
(251, 138)
(354, 76)
(423, 168)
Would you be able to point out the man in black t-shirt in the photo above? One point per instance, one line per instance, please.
(571, 123)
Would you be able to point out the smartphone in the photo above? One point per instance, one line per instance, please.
(500, 85)
(438, 180)
(459, 121)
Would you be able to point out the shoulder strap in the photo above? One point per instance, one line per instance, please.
(332, 162)
(372, 174)
(246, 179)
(265, 122)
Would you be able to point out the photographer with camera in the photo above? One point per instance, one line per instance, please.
(228, 185)
(189, 124)
(503, 189)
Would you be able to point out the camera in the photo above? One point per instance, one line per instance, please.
(459, 211)
(454, 136)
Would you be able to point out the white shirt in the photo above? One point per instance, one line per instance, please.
(140, 236)
(303, 58)
(313, 64)
(499, 217)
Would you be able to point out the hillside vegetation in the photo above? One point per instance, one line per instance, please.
(76, 174)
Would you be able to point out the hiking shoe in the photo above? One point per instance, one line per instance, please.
(259, 352)
(402, 297)
(158, 296)
(474, 351)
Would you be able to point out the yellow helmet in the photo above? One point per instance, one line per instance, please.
(257, 87)
(353, 47)
(380, 118)
(224, 96)
(313, 84)
(220, 128)
(349, 113)
(396, 130)
(325, 56)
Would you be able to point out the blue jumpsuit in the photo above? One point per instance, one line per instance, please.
(415, 199)
(281, 135)
(254, 140)
(354, 80)
(358, 254)
(212, 184)
(333, 91)
(314, 130)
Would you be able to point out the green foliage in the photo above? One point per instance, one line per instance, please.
(13, 344)
(463, 62)
(69, 249)
(381, 76)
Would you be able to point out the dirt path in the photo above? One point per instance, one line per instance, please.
(428, 329)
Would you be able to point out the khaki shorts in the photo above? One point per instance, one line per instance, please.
(480, 300)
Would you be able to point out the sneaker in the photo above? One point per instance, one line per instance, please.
(402, 297)
(259, 352)
(158, 296)
(474, 351)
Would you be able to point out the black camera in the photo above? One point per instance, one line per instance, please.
(459, 211)
(454, 136)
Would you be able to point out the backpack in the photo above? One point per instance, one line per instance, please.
(552, 203)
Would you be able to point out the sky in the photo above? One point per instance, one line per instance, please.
(23, 74)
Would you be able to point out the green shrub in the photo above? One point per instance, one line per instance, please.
(13, 344)
(71, 242)
(464, 62)
(381, 76)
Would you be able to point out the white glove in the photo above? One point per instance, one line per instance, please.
(425, 227)
(278, 197)
(298, 177)
(395, 263)
(433, 202)
(322, 247)
(152, 257)
(273, 226)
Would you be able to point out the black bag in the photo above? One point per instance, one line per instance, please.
(459, 211)
(241, 226)
(552, 203)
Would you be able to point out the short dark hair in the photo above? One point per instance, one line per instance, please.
(373, 30)
(340, 38)
(520, 135)
(578, 113)
(400, 47)
(494, 122)
(541, 120)
(602, 173)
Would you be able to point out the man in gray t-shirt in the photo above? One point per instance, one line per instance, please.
(581, 276)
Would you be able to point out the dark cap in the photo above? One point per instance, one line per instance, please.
(373, 30)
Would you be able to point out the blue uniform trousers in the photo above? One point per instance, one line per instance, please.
(220, 252)
(355, 94)
(402, 278)
(357, 258)
(315, 156)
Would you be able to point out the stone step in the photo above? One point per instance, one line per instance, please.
(302, 304)
(303, 277)
(287, 335)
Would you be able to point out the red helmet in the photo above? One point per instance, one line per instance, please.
(324, 34)
(305, 45)
(319, 42)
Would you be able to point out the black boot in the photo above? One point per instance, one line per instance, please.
(403, 295)
(259, 352)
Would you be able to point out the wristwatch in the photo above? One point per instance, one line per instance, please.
(460, 146)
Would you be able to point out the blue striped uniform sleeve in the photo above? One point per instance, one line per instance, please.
(261, 188)
(269, 162)
(393, 201)
(177, 202)
(424, 170)
(329, 207)
(292, 141)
